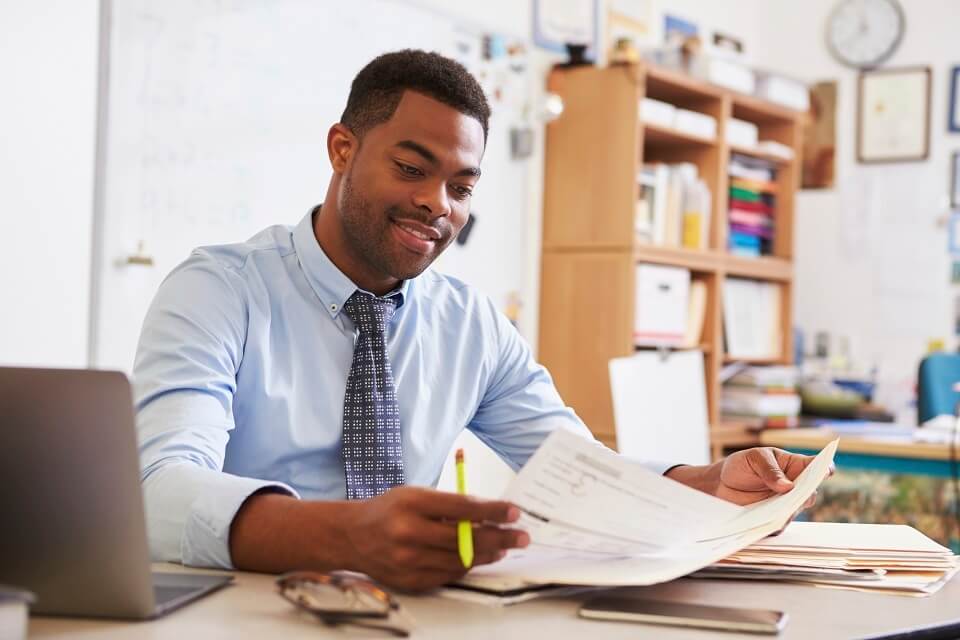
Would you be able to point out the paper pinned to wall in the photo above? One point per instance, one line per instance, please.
(660, 406)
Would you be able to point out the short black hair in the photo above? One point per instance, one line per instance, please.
(376, 91)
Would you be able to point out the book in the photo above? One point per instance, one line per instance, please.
(696, 214)
(646, 204)
(786, 376)
(751, 206)
(696, 313)
(759, 402)
(751, 318)
(673, 206)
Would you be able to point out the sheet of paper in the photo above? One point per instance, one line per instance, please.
(597, 518)
(852, 537)
(581, 497)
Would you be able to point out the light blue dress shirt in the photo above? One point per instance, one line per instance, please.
(241, 371)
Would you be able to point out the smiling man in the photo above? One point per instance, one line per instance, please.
(298, 393)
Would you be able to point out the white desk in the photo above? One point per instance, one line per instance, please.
(251, 609)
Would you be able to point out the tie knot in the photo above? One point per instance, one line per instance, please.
(369, 313)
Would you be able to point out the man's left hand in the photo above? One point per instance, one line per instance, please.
(756, 474)
(747, 476)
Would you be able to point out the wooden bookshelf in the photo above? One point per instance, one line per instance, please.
(662, 136)
(593, 155)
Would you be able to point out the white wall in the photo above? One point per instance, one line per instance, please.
(871, 253)
(48, 60)
(47, 161)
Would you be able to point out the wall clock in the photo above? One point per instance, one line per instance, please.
(864, 33)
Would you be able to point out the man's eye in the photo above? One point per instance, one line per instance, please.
(410, 170)
(463, 192)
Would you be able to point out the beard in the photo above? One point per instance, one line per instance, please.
(370, 235)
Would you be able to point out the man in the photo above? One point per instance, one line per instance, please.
(297, 392)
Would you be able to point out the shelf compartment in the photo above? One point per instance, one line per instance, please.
(760, 111)
(679, 88)
(763, 268)
(780, 161)
(692, 259)
(707, 349)
(655, 136)
(755, 361)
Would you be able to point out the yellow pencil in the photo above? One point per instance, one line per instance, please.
(464, 527)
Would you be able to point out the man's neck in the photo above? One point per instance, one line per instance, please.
(329, 235)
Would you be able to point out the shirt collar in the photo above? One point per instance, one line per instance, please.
(331, 285)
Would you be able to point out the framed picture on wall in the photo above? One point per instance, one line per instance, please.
(953, 113)
(955, 180)
(893, 115)
(559, 23)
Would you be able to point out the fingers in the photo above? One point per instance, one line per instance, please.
(434, 546)
(743, 498)
(765, 464)
(792, 464)
(812, 500)
(446, 561)
(421, 580)
(439, 504)
(443, 536)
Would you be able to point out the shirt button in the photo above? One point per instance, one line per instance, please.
(333, 307)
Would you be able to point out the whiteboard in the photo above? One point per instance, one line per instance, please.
(214, 116)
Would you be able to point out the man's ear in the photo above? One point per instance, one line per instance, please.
(341, 145)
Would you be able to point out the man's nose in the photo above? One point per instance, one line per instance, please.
(434, 199)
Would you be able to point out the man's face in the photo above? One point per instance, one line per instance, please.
(406, 193)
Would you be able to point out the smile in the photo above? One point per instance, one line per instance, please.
(416, 239)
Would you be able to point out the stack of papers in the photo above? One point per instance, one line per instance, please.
(885, 558)
(597, 518)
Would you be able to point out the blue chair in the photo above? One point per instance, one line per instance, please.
(939, 372)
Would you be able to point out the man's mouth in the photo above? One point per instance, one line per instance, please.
(416, 237)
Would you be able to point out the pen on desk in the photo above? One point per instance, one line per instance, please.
(464, 527)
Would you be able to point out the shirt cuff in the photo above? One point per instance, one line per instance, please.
(206, 536)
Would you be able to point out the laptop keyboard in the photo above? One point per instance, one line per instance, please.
(165, 594)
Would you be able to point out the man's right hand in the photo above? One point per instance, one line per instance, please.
(407, 538)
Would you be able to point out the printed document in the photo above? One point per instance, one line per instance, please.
(597, 518)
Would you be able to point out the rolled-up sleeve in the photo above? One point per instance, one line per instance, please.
(184, 375)
(521, 406)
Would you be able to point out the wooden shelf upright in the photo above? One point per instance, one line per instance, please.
(594, 152)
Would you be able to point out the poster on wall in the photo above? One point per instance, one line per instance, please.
(893, 115)
(677, 30)
(557, 23)
(953, 112)
(955, 180)
(820, 137)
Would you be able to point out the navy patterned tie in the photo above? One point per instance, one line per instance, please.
(372, 452)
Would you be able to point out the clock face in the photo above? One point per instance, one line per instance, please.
(864, 33)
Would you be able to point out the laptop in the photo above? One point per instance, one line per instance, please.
(73, 527)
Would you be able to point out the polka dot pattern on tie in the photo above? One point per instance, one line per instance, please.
(372, 450)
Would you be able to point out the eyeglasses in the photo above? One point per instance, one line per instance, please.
(342, 598)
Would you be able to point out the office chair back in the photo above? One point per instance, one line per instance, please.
(939, 372)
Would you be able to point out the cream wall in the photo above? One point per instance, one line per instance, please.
(871, 253)
(47, 154)
(48, 62)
